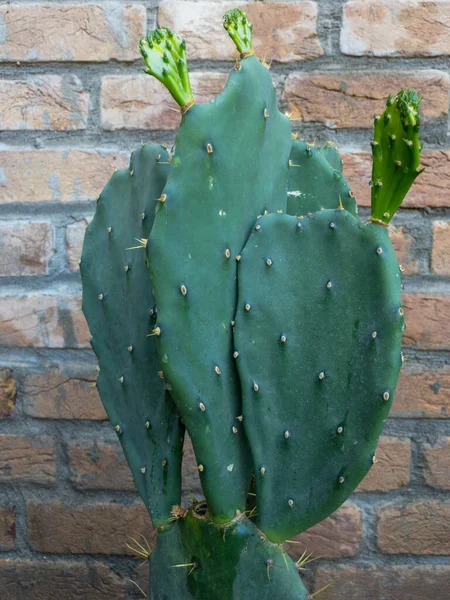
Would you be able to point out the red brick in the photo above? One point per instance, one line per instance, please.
(393, 28)
(416, 528)
(8, 393)
(57, 394)
(142, 102)
(44, 102)
(391, 471)
(283, 31)
(27, 459)
(350, 99)
(26, 248)
(432, 188)
(440, 254)
(99, 466)
(378, 582)
(43, 321)
(7, 529)
(102, 528)
(422, 392)
(427, 320)
(337, 536)
(55, 175)
(59, 580)
(403, 243)
(74, 242)
(79, 32)
(437, 464)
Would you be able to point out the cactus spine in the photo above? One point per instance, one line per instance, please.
(270, 325)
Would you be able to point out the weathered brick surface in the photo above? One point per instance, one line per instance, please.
(427, 320)
(43, 320)
(80, 32)
(101, 528)
(26, 247)
(338, 536)
(350, 99)
(432, 188)
(54, 580)
(74, 242)
(8, 393)
(56, 175)
(46, 102)
(392, 469)
(59, 395)
(403, 243)
(27, 459)
(141, 102)
(286, 31)
(437, 464)
(99, 466)
(7, 528)
(403, 582)
(393, 28)
(440, 254)
(422, 392)
(415, 528)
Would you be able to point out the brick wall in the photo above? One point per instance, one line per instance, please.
(73, 103)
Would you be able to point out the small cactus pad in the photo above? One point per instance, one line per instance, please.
(230, 165)
(396, 153)
(117, 303)
(211, 562)
(314, 183)
(331, 153)
(319, 358)
(164, 54)
(239, 29)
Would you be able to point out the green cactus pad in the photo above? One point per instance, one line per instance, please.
(164, 54)
(235, 562)
(230, 165)
(396, 153)
(319, 358)
(117, 302)
(314, 183)
(331, 153)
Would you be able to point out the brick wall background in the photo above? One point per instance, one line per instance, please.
(73, 103)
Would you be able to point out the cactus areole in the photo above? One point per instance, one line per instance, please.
(231, 290)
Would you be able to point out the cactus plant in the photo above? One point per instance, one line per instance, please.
(275, 337)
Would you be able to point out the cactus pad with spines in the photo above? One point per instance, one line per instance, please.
(232, 563)
(319, 357)
(117, 301)
(331, 153)
(396, 153)
(313, 182)
(240, 30)
(230, 165)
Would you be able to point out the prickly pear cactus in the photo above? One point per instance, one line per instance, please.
(231, 289)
